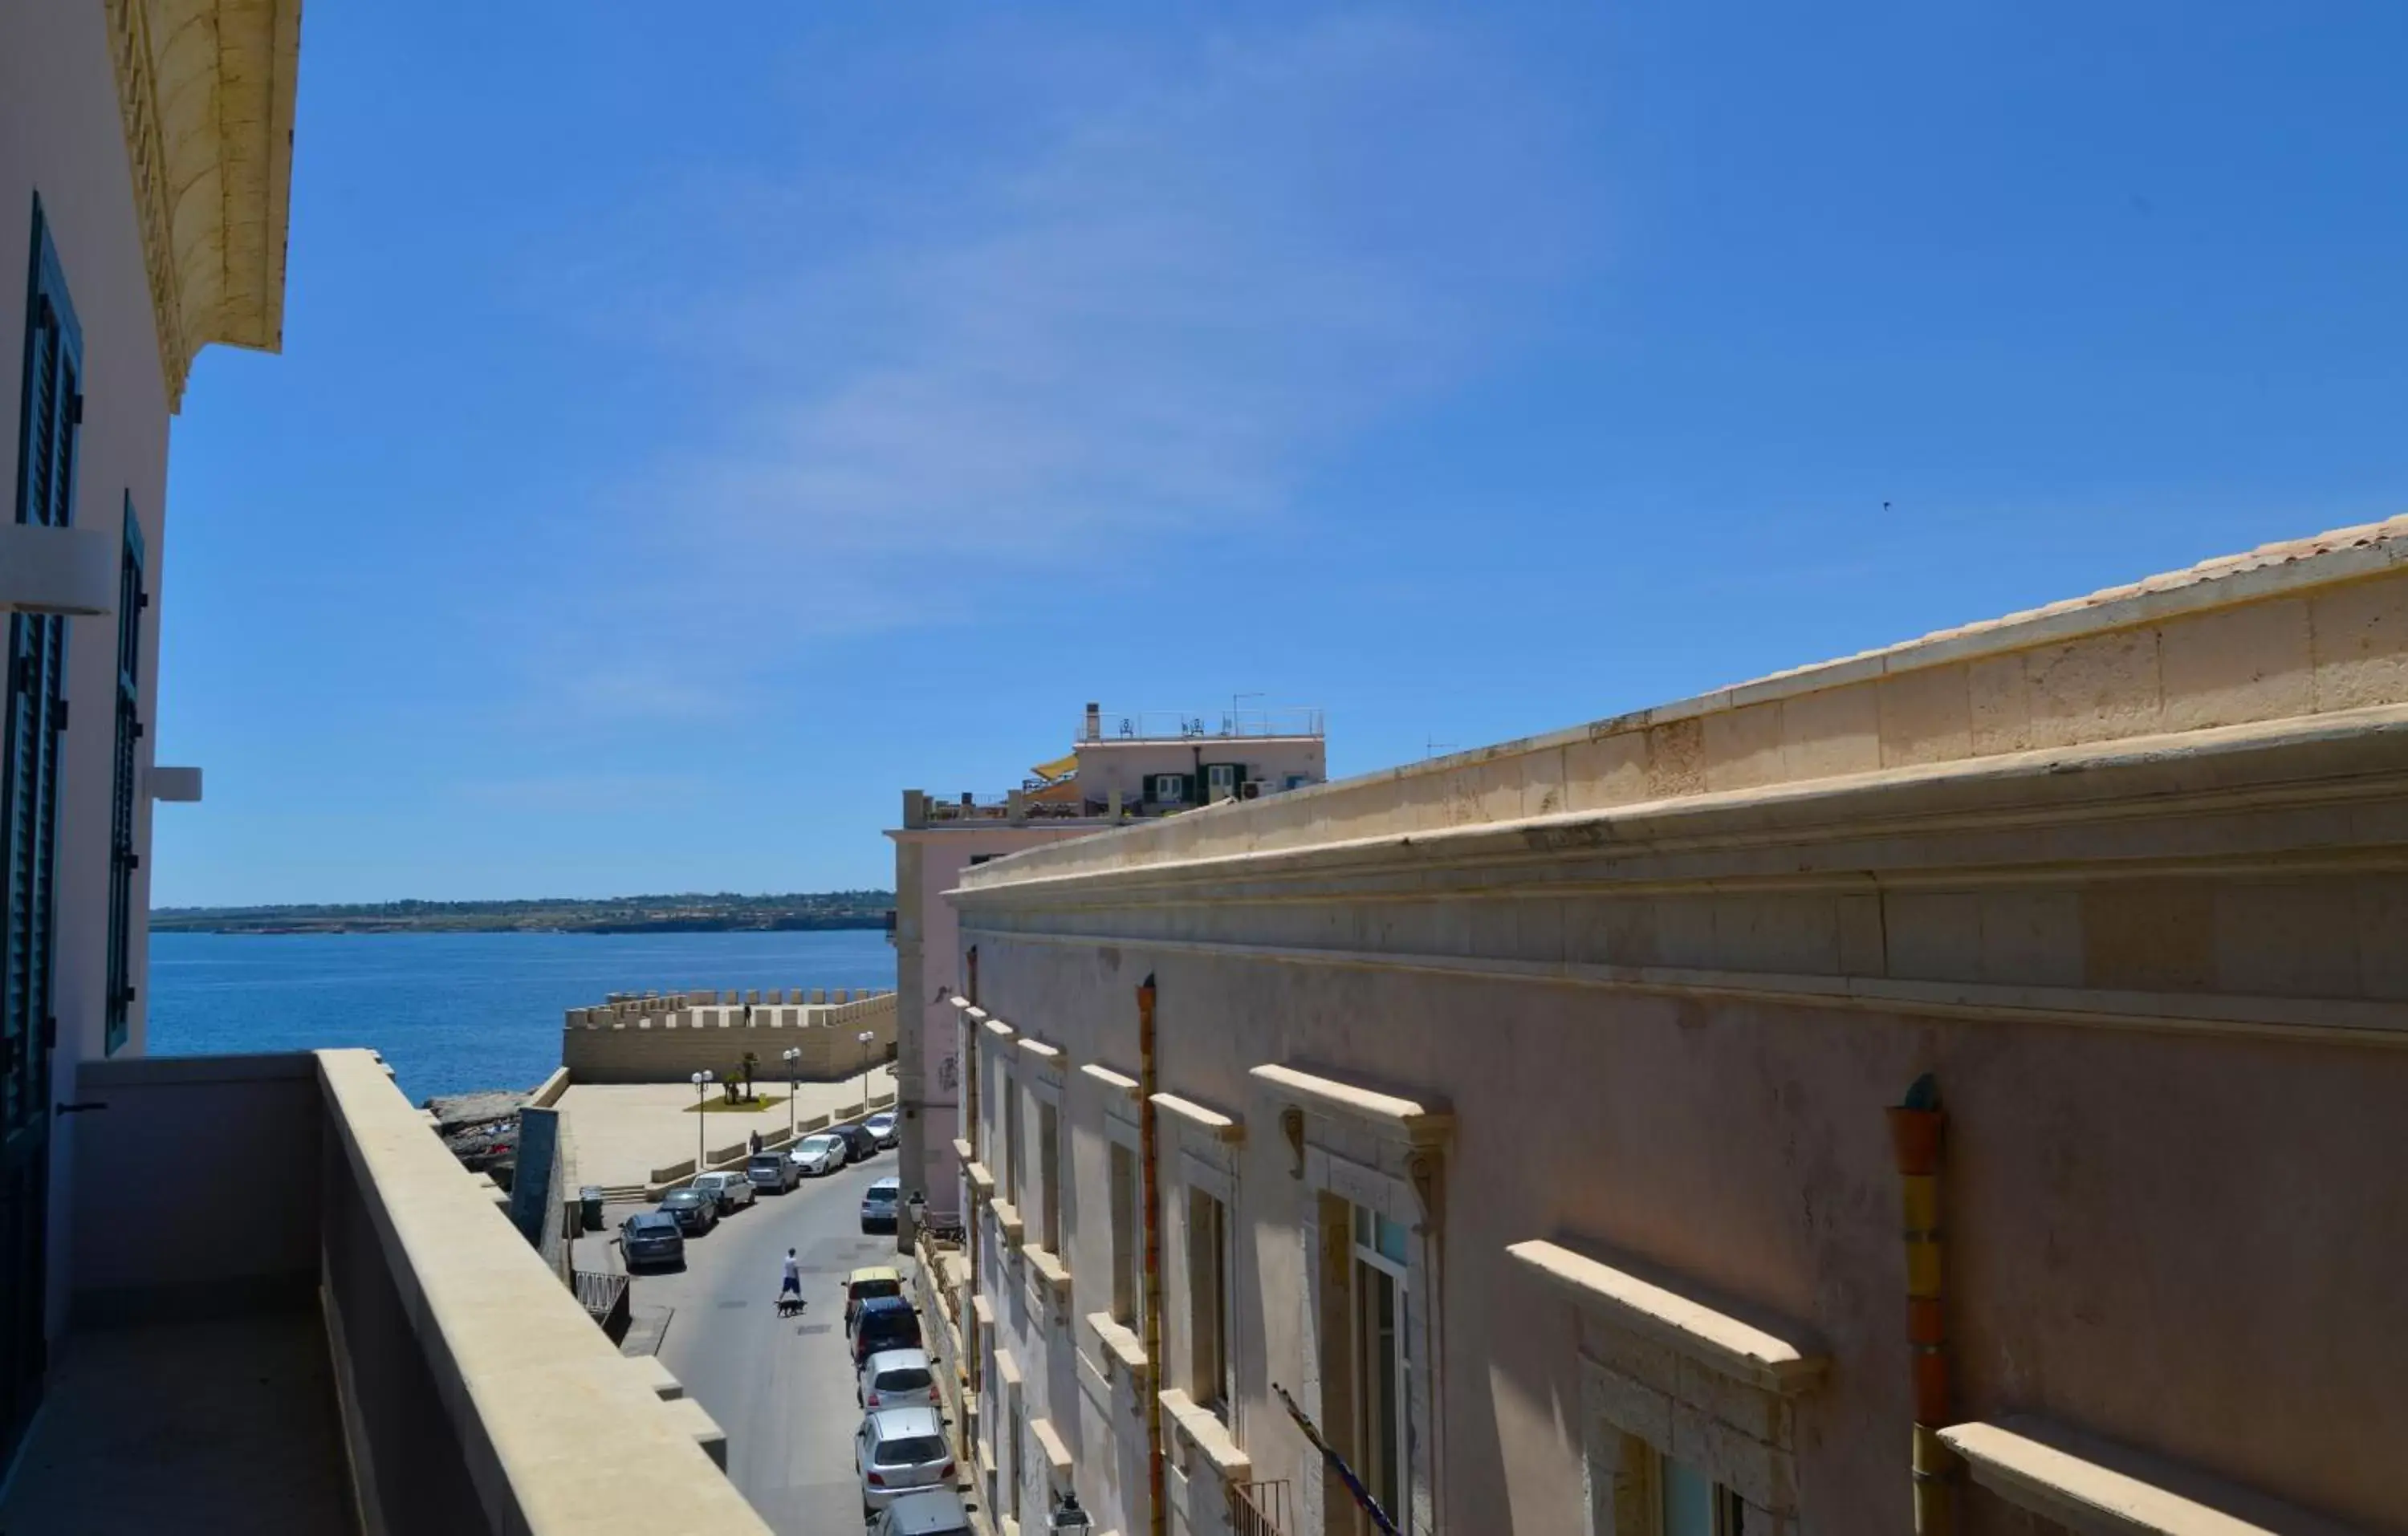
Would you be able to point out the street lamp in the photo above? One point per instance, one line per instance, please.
(700, 1080)
(1068, 1517)
(865, 1037)
(794, 1054)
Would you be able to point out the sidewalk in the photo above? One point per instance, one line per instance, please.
(620, 1132)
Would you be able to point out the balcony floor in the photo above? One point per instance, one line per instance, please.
(195, 1427)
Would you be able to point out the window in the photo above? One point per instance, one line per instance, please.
(1208, 1303)
(1049, 1174)
(122, 859)
(1011, 1140)
(1221, 779)
(1011, 1451)
(1168, 788)
(51, 412)
(1381, 1345)
(1689, 1504)
(976, 859)
(1126, 1220)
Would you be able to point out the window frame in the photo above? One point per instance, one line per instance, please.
(1167, 788)
(124, 832)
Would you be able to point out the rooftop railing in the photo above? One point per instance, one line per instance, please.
(1100, 724)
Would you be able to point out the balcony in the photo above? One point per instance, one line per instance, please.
(291, 1309)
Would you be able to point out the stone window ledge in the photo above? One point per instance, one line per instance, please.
(1037, 1048)
(1114, 1082)
(984, 1310)
(1201, 1435)
(1008, 1221)
(1006, 1369)
(2095, 1487)
(1220, 1126)
(1405, 1119)
(1049, 1268)
(1056, 1454)
(1122, 1348)
(964, 1150)
(1777, 1362)
(981, 1179)
(997, 1028)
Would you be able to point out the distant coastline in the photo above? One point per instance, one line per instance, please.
(686, 913)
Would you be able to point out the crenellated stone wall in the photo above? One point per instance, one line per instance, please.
(657, 1037)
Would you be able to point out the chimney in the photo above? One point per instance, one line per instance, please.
(1094, 722)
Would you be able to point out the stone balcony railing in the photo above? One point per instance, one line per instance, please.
(301, 1197)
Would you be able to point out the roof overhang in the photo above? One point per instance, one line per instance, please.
(206, 90)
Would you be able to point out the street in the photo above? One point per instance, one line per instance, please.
(781, 1388)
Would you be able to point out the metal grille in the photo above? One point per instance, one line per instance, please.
(1259, 1509)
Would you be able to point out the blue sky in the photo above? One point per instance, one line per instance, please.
(689, 437)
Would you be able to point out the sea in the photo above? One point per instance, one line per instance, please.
(456, 1013)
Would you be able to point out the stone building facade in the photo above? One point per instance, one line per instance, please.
(1984, 1056)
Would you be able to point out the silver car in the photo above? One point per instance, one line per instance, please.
(772, 1170)
(897, 1450)
(730, 1189)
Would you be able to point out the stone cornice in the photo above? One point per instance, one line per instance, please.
(1827, 832)
(206, 92)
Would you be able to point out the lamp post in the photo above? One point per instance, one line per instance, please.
(794, 1054)
(701, 1081)
(865, 1037)
(1069, 1517)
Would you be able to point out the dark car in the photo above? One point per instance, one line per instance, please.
(884, 1322)
(878, 1204)
(860, 1141)
(694, 1209)
(650, 1237)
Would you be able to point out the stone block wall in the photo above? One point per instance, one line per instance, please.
(667, 1037)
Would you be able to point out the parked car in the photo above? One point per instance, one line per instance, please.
(884, 1322)
(652, 1237)
(860, 1145)
(729, 1189)
(695, 1210)
(897, 1378)
(878, 1204)
(772, 1170)
(884, 1126)
(927, 1512)
(899, 1449)
(821, 1153)
(866, 1284)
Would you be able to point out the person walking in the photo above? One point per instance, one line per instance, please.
(791, 1283)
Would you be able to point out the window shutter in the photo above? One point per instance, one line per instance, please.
(29, 759)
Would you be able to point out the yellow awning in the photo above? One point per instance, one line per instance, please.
(1061, 768)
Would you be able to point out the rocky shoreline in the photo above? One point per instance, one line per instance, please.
(481, 1129)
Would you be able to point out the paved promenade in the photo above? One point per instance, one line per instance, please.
(618, 1132)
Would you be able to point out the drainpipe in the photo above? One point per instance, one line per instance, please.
(1157, 1510)
(1916, 1129)
(973, 1239)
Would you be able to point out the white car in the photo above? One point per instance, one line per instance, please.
(897, 1450)
(897, 1378)
(821, 1153)
(731, 1189)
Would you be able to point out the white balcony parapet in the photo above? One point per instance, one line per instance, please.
(173, 785)
(70, 571)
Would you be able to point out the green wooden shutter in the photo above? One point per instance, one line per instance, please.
(125, 780)
(51, 412)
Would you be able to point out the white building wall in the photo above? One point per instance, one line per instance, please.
(61, 138)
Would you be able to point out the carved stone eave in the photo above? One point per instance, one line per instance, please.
(206, 92)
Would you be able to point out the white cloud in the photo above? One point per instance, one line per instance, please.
(1144, 322)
